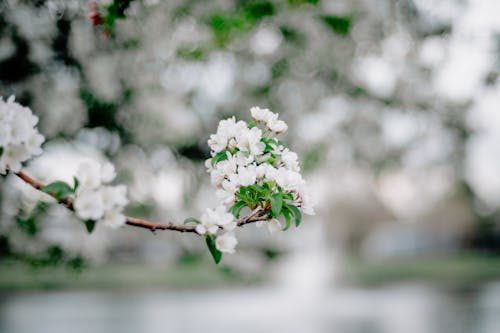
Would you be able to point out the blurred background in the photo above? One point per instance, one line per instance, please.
(393, 107)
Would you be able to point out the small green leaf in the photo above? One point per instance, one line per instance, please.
(58, 189)
(237, 207)
(219, 157)
(286, 214)
(338, 24)
(296, 213)
(90, 225)
(28, 225)
(1, 151)
(76, 183)
(276, 204)
(216, 254)
(191, 220)
(252, 124)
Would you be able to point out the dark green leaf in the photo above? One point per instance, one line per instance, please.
(219, 157)
(296, 213)
(286, 214)
(76, 183)
(1, 151)
(191, 220)
(338, 24)
(237, 207)
(58, 189)
(216, 254)
(90, 225)
(276, 204)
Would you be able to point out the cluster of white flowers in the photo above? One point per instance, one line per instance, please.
(19, 138)
(244, 155)
(95, 199)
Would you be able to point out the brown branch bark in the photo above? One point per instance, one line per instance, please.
(256, 215)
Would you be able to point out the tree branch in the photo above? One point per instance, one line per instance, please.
(256, 215)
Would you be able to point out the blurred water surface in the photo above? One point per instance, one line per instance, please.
(400, 308)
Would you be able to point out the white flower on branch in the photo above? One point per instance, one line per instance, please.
(249, 140)
(96, 201)
(273, 225)
(89, 204)
(12, 157)
(263, 115)
(19, 139)
(277, 126)
(226, 243)
(113, 219)
(212, 219)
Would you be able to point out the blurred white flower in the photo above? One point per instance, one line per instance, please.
(114, 197)
(113, 219)
(19, 139)
(273, 225)
(89, 175)
(290, 160)
(226, 243)
(89, 204)
(264, 115)
(277, 126)
(12, 157)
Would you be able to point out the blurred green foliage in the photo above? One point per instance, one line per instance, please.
(338, 24)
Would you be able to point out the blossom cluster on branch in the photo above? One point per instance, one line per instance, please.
(95, 199)
(19, 138)
(251, 168)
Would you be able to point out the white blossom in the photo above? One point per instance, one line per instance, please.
(226, 243)
(247, 175)
(96, 201)
(307, 204)
(289, 180)
(12, 157)
(226, 193)
(217, 142)
(114, 196)
(264, 115)
(89, 175)
(113, 218)
(249, 140)
(89, 204)
(108, 172)
(277, 126)
(19, 139)
(273, 225)
(290, 160)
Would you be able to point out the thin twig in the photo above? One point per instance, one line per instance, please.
(254, 216)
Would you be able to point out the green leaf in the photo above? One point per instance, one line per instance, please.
(216, 254)
(191, 220)
(338, 24)
(296, 213)
(252, 124)
(286, 214)
(28, 225)
(219, 157)
(76, 183)
(1, 151)
(276, 204)
(90, 225)
(237, 207)
(58, 189)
